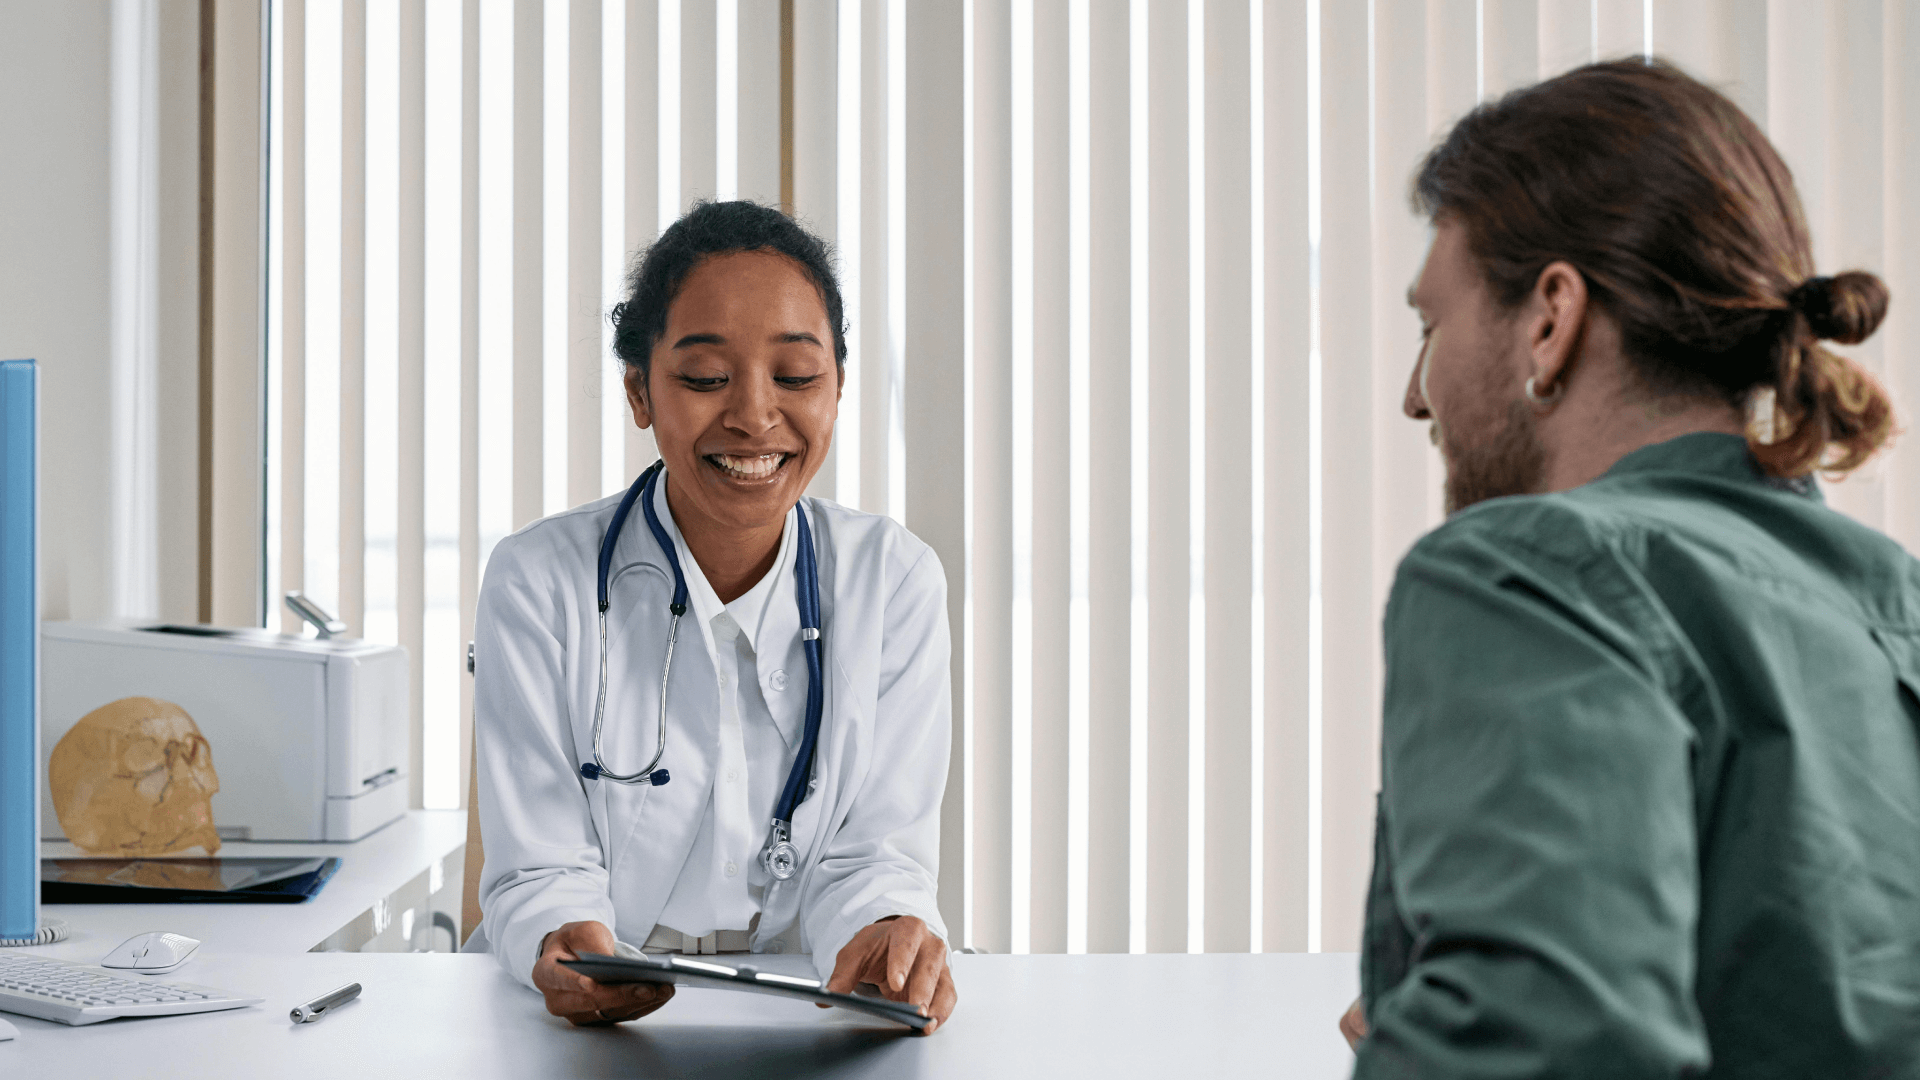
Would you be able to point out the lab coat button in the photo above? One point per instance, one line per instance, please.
(778, 680)
(732, 869)
(731, 775)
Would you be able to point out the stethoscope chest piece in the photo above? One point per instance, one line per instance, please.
(781, 860)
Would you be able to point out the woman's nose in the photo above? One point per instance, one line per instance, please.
(751, 408)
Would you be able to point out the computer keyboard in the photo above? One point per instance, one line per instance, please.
(70, 993)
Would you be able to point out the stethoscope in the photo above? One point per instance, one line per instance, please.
(779, 856)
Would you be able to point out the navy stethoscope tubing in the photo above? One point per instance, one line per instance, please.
(778, 856)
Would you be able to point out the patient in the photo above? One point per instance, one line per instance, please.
(1651, 752)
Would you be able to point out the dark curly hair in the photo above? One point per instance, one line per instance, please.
(709, 229)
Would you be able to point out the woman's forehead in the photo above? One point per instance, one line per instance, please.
(753, 287)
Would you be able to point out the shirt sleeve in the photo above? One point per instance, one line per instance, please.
(885, 857)
(1537, 853)
(543, 855)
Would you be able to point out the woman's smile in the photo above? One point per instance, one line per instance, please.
(755, 469)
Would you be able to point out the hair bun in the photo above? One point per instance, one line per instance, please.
(1846, 309)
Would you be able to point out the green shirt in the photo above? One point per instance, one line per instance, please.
(1650, 797)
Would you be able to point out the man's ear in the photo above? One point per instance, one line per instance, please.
(637, 396)
(1559, 324)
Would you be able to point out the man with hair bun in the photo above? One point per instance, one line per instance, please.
(1650, 801)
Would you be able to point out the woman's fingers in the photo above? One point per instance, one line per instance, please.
(849, 966)
(945, 997)
(579, 999)
(928, 968)
(903, 947)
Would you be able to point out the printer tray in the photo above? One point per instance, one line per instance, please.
(682, 971)
(245, 880)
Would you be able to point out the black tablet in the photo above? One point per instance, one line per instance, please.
(685, 971)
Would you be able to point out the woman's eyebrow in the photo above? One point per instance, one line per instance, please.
(793, 337)
(699, 339)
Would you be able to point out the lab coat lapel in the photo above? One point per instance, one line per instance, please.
(654, 826)
(839, 717)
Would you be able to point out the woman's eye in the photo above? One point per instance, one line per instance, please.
(795, 382)
(703, 384)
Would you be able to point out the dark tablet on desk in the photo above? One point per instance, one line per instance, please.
(243, 880)
(684, 971)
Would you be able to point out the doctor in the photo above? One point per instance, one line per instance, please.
(731, 337)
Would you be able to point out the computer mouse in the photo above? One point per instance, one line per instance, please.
(152, 952)
(8, 1031)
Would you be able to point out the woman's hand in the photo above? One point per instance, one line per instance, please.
(1354, 1024)
(907, 961)
(580, 999)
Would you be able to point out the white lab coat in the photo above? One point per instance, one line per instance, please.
(560, 848)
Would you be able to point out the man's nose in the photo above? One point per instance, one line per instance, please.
(1415, 403)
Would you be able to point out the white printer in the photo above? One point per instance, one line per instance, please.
(310, 736)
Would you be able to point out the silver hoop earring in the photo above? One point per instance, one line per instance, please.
(1545, 401)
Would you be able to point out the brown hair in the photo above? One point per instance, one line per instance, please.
(1684, 222)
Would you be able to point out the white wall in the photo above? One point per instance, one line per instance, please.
(54, 286)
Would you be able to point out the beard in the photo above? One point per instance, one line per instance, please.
(1497, 458)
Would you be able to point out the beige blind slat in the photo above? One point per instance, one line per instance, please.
(1900, 338)
(1169, 479)
(527, 249)
(1349, 618)
(816, 152)
(349, 546)
(936, 449)
(1620, 28)
(1849, 226)
(410, 569)
(989, 599)
(584, 274)
(1224, 450)
(1047, 462)
(643, 171)
(1106, 244)
(1566, 34)
(1285, 319)
(288, 497)
(1509, 45)
(758, 122)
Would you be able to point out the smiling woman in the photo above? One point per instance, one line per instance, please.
(733, 351)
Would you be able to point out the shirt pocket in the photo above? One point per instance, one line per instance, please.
(1903, 652)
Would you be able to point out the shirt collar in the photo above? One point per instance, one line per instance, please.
(1712, 454)
(748, 610)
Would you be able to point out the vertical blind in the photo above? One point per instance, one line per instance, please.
(1128, 341)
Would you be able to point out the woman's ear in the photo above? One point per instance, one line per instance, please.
(1558, 325)
(635, 382)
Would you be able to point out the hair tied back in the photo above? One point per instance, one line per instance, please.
(1847, 308)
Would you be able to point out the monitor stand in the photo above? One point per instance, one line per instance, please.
(51, 930)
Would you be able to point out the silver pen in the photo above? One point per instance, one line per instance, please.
(324, 1004)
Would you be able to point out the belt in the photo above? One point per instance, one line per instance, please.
(667, 939)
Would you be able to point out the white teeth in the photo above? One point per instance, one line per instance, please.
(748, 468)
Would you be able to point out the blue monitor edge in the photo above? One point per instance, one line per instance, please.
(19, 650)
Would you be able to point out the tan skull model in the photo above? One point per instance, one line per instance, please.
(135, 777)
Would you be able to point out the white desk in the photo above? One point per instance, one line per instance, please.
(398, 869)
(1161, 1016)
